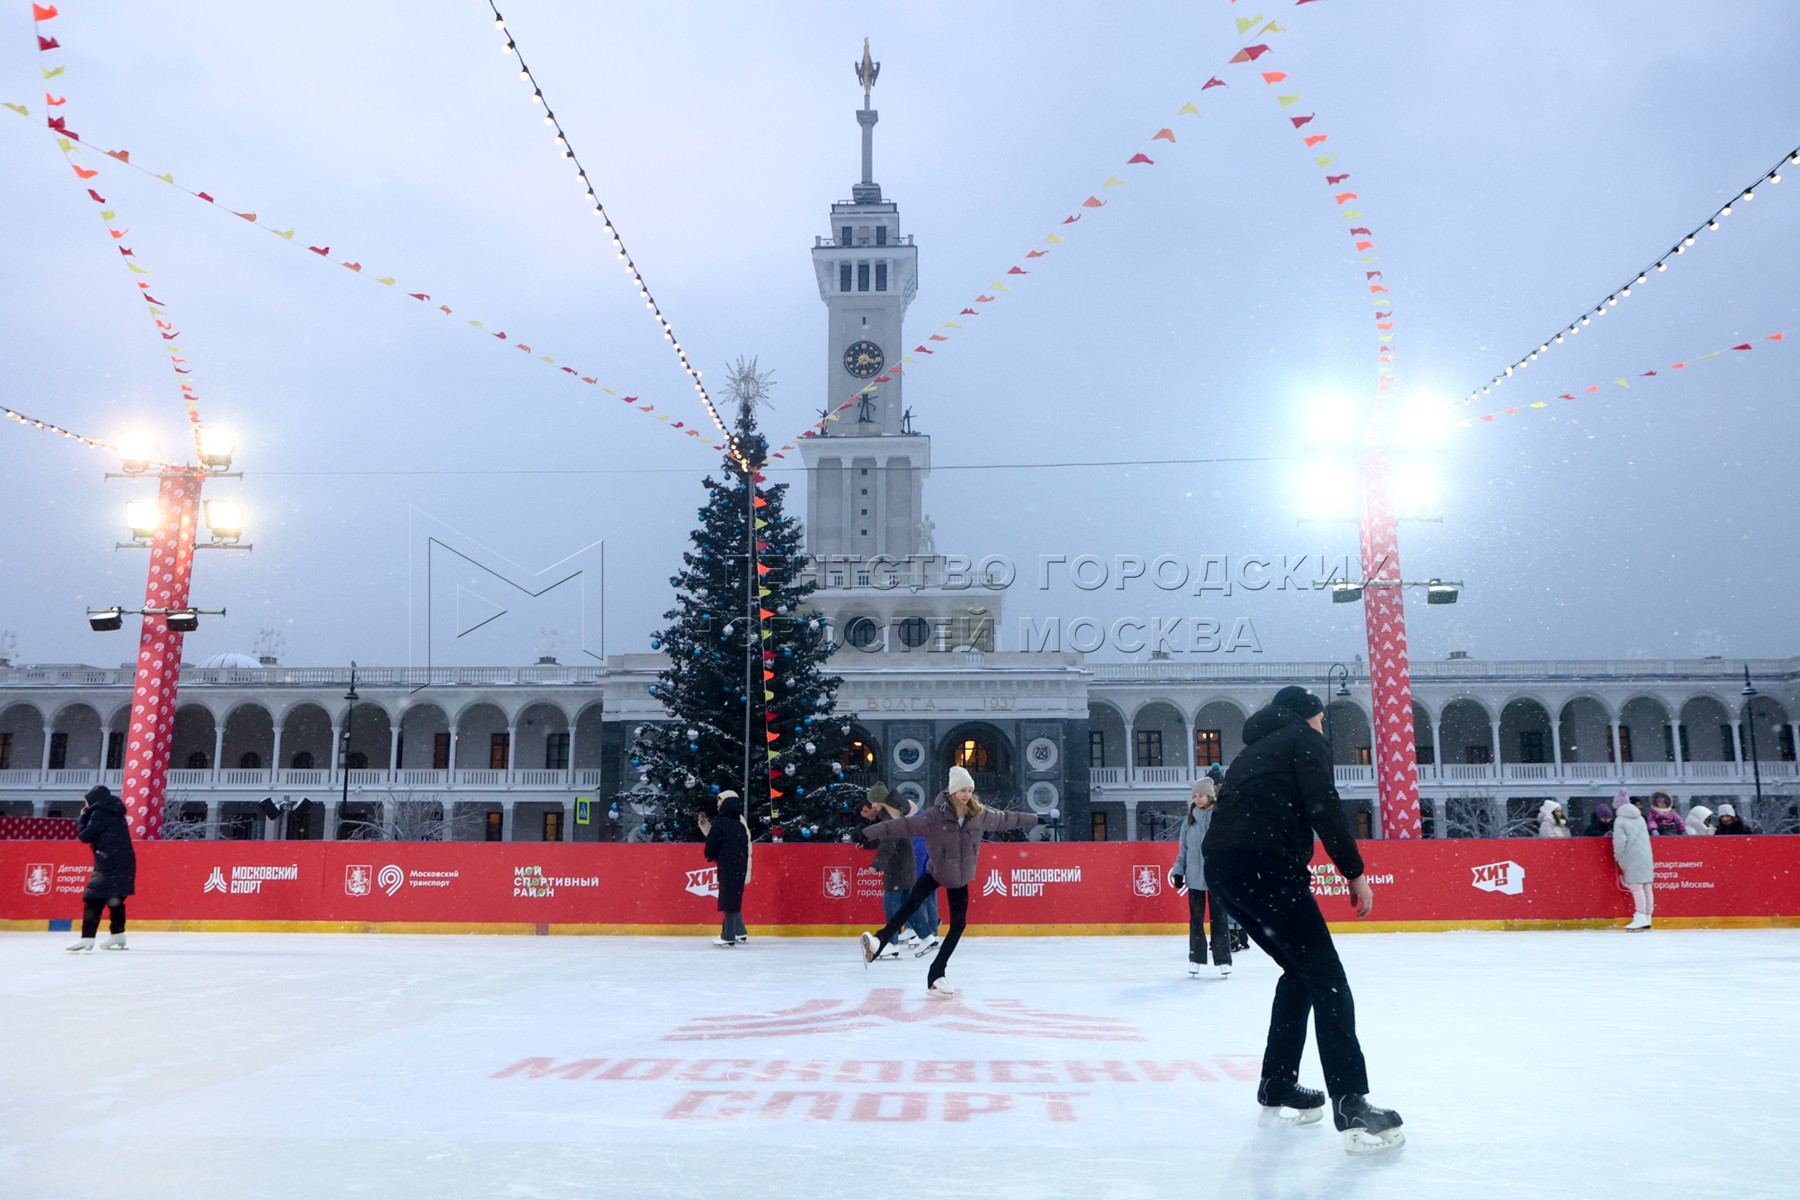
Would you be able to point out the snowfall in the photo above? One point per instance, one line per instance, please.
(1535, 1064)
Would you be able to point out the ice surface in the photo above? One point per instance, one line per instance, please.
(1579, 1064)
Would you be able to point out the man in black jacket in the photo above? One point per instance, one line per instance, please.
(1278, 792)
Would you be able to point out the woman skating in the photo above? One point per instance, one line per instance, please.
(952, 828)
(1631, 850)
(728, 844)
(1190, 872)
(103, 827)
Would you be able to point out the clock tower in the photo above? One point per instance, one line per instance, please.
(882, 583)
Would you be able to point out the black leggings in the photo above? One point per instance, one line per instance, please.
(90, 915)
(1272, 899)
(959, 917)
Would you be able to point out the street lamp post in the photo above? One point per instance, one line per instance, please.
(1749, 694)
(344, 743)
(1340, 674)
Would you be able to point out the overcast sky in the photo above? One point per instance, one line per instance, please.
(1516, 162)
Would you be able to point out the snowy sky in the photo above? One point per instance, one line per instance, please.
(1515, 163)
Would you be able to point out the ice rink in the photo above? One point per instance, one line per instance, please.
(1541, 1064)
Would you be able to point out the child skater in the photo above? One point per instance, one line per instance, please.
(728, 844)
(952, 829)
(1190, 872)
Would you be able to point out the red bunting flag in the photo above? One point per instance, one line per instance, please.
(968, 312)
(1334, 180)
(96, 196)
(1371, 274)
(126, 252)
(419, 295)
(922, 350)
(1017, 271)
(45, 43)
(883, 379)
(1215, 81)
(1071, 220)
(1140, 158)
(1360, 230)
(1745, 346)
(1306, 120)
(1248, 54)
(321, 251)
(1565, 396)
(204, 197)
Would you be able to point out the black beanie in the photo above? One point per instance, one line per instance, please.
(1299, 701)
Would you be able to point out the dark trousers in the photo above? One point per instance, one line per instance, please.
(731, 926)
(1272, 899)
(925, 888)
(1199, 904)
(90, 916)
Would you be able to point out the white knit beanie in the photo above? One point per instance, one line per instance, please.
(959, 779)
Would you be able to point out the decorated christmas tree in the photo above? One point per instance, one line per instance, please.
(746, 661)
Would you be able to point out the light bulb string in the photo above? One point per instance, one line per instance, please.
(66, 144)
(1058, 234)
(1624, 382)
(566, 148)
(1660, 263)
(322, 254)
(13, 414)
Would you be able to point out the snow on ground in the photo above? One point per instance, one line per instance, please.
(1579, 1064)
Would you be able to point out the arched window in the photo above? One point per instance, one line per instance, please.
(250, 760)
(197, 761)
(862, 633)
(914, 632)
(302, 760)
(970, 754)
(356, 760)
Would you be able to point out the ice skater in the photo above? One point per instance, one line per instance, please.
(1637, 865)
(1278, 792)
(1190, 872)
(899, 871)
(103, 827)
(952, 828)
(728, 844)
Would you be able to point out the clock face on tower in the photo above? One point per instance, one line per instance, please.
(863, 359)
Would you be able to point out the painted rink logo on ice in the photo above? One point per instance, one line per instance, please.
(887, 1006)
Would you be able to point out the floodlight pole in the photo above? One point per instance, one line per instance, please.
(1395, 751)
(151, 734)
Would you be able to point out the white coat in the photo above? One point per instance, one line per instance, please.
(1548, 825)
(1631, 844)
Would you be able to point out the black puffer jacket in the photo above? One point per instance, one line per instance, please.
(1277, 793)
(728, 844)
(102, 826)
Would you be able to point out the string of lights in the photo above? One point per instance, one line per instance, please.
(567, 150)
(13, 414)
(1745, 195)
(773, 470)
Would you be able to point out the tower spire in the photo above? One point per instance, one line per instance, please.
(868, 191)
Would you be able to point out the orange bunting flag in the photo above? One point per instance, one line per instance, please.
(54, 101)
(42, 12)
(772, 735)
(1315, 139)
(1140, 158)
(250, 217)
(1215, 81)
(1343, 197)
(84, 173)
(1166, 135)
(981, 300)
(1274, 76)
(937, 337)
(1093, 202)
(760, 503)
(1031, 254)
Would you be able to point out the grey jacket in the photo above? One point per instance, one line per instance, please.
(1631, 845)
(953, 846)
(1188, 862)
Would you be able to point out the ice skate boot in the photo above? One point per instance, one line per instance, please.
(1367, 1129)
(114, 941)
(941, 989)
(1639, 922)
(871, 946)
(1285, 1103)
(926, 946)
(725, 942)
(1224, 970)
(1193, 969)
(84, 946)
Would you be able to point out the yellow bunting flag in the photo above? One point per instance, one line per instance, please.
(1187, 108)
(1271, 27)
(1054, 238)
(18, 108)
(1288, 101)
(768, 695)
(1244, 24)
(1114, 182)
(387, 279)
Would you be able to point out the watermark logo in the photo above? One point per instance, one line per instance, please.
(1507, 878)
(37, 879)
(358, 879)
(704, 882)
(1146, 880)
(837, 883)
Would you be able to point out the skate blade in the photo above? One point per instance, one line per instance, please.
(1362, 1142)
(1272, 1117)
(115, 947)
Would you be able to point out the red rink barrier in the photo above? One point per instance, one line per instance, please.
(20, 828)
(1118, 887)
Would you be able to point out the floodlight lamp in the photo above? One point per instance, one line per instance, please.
(216, 446)
(182, 620)
(225, 518)
(1439, 592)
(105, 620)
(1346, 593)
(135, 451)
(143, 518)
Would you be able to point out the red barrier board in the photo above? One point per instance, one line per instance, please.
(31, 828)
(1061, 887)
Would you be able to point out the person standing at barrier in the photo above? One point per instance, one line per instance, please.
(728, 844)
(103, 827)
(1729, 822)
(1699, 820)
(952, 828)
(1637, 867)
(1662, 818)
(1601, 823)
(1278, 793)
(1552, 823)
(1190, 872)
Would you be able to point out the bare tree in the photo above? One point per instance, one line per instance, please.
(1470, 815)
(180, 821)
(402, 815)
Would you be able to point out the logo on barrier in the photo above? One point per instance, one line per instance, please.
(37, 879)
(357, 879)
(1146, 881)
(995, 886)
(1507, 878)
(837, 883)
(704, 882)
(390, 879)
(888, 1006)
(216, 882)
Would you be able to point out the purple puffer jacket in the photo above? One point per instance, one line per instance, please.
(953, 845)
(1663, 821)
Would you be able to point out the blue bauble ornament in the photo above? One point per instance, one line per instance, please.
(800, 790)
(715, 789)
(636, 763)
(656, 643)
